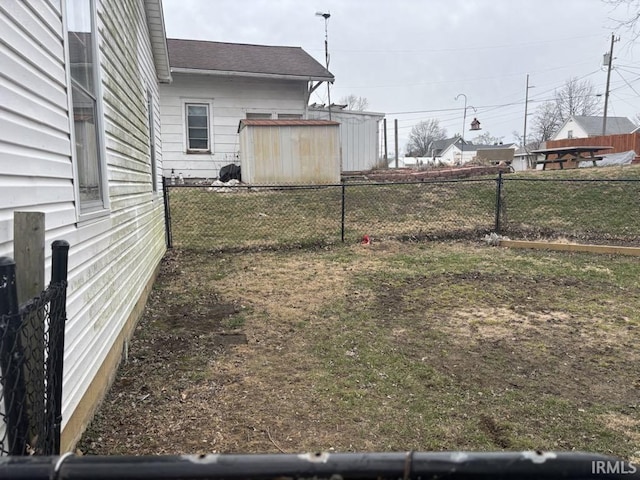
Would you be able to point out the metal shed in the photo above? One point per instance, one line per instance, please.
(289, 151)
(359, 137)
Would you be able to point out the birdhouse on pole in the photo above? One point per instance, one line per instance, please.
(475, 125)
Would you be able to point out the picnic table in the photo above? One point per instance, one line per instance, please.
(561, 155)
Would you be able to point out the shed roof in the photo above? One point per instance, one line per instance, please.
(239, 58)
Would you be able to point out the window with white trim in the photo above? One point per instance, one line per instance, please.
(83, 66)
(198, 128)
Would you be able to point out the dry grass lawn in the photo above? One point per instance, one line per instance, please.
(386, 347)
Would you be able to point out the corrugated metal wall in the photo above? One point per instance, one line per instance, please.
(359, 137)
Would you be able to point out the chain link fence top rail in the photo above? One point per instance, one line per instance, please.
(245, 217)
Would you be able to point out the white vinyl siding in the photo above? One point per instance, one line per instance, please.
(235, 98)
(113, 257)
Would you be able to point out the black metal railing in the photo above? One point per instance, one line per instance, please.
(240, 216)
(31, 413)
(343, 466)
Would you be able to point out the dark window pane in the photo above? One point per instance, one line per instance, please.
(197, 144)
(200, 133)
(198, 121)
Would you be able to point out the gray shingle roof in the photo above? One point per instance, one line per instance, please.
(244, 58)
(615, 125)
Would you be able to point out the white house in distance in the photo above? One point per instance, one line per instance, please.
(80, 141)
(215, 85)
(579, 126)
(460, 152)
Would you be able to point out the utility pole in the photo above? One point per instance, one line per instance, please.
(526, 105)
(526, 114)
(609, 61)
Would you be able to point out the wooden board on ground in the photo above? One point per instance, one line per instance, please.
(571, 247)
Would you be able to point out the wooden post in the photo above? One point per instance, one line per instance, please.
(28, 246)
(28, 234)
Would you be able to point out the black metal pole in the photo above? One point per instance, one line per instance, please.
(12, 361)
(347, 466)
(167, 213)
(498, 202)
(59, 269)
(343, 211)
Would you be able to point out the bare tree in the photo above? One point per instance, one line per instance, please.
(630, 17)
(421, 136)
(353, 102)
(576, 97)
(545, 123)
(487, 139)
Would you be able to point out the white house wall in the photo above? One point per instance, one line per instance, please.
(230, 100)
(359, 137)
(113, 257)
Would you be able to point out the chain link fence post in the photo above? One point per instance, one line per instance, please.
(58, 313)
(343, 207)
(498, 203)
(167, 213)
(12, 361)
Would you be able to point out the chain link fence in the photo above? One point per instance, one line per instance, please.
(241, 217)
(31, 361)
(579, 210)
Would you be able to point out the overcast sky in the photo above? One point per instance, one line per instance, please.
(411, 58)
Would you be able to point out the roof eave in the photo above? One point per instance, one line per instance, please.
(231, 73)
(158, 37)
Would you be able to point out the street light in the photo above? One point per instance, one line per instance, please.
(326, 16)
(464, 119)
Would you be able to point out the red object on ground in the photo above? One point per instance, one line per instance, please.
(365, 240)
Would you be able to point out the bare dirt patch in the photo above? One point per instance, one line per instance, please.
(393, 346)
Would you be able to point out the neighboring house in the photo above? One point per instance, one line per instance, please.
(215, 85)
(524, 160)
(359, 136)
(579, 126)
(461, 152)
(80, 141)
(438, 146)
